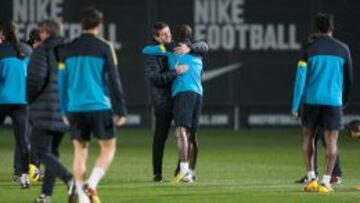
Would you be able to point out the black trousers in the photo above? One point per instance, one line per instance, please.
(320, 137)
(163, 118)
(19, 118)
(17, 154)
(45, 144)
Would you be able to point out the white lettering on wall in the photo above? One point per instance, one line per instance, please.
(221, 23)
(28, 13)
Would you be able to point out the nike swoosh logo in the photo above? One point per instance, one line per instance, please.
(211, 74)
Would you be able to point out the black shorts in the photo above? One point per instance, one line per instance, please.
(100, 123)
(324, 116)
(187, 109)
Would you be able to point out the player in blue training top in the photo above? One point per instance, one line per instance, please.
(323, 81)
(90, 94)
(187, 93)
(13, 63)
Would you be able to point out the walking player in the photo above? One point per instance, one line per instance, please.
(91, 93)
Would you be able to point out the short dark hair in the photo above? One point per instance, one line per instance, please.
(324, 22)
(52, 26)
(157, 27)
(34, 36)
(91, 18)
(183, 32)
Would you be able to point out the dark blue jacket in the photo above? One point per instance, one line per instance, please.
(42, 89)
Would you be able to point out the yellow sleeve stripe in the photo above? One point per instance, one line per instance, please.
(61, 66)
(162, 48)
(113, 53)
(302, 64)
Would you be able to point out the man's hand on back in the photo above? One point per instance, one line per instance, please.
(182, 49)
(180, 69)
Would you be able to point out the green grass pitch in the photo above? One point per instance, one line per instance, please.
(250, 166)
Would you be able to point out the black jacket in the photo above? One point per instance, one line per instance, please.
(161, 78)
(42, 88)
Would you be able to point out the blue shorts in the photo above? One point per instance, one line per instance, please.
(187, 109)
(324, 116)
(100, 123)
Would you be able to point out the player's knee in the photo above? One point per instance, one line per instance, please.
(108, 147)
(331, 151)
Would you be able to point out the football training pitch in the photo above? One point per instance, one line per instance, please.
(258, 165)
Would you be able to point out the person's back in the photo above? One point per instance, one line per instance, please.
(191, 79)
(12, 75)
(324, 74)
(85, 60)
(326, 58)
(42, 89)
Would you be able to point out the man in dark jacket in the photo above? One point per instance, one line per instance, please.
(161, 78)
(45, 113)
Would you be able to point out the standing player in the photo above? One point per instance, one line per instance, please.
(323, 81)
(91, 92)
(48, 127)
(161, 78)
(12, 93)
(187, 94)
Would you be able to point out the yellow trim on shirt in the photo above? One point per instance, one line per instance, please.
(113, 53)
(162, 48)
(302, 64)
(61, 66)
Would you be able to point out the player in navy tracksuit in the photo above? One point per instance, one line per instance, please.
(323, 81)
(91, 93)
(12, 93)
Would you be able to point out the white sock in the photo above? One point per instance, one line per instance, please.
(326, 180)
(192, 172)
(95, 177)
(311, 175)
(184, 167)
(83, 198)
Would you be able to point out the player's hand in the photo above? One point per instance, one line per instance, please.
(65, 121)
(182, 49)
(119, 120)
(295, 115)
(180, 69)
